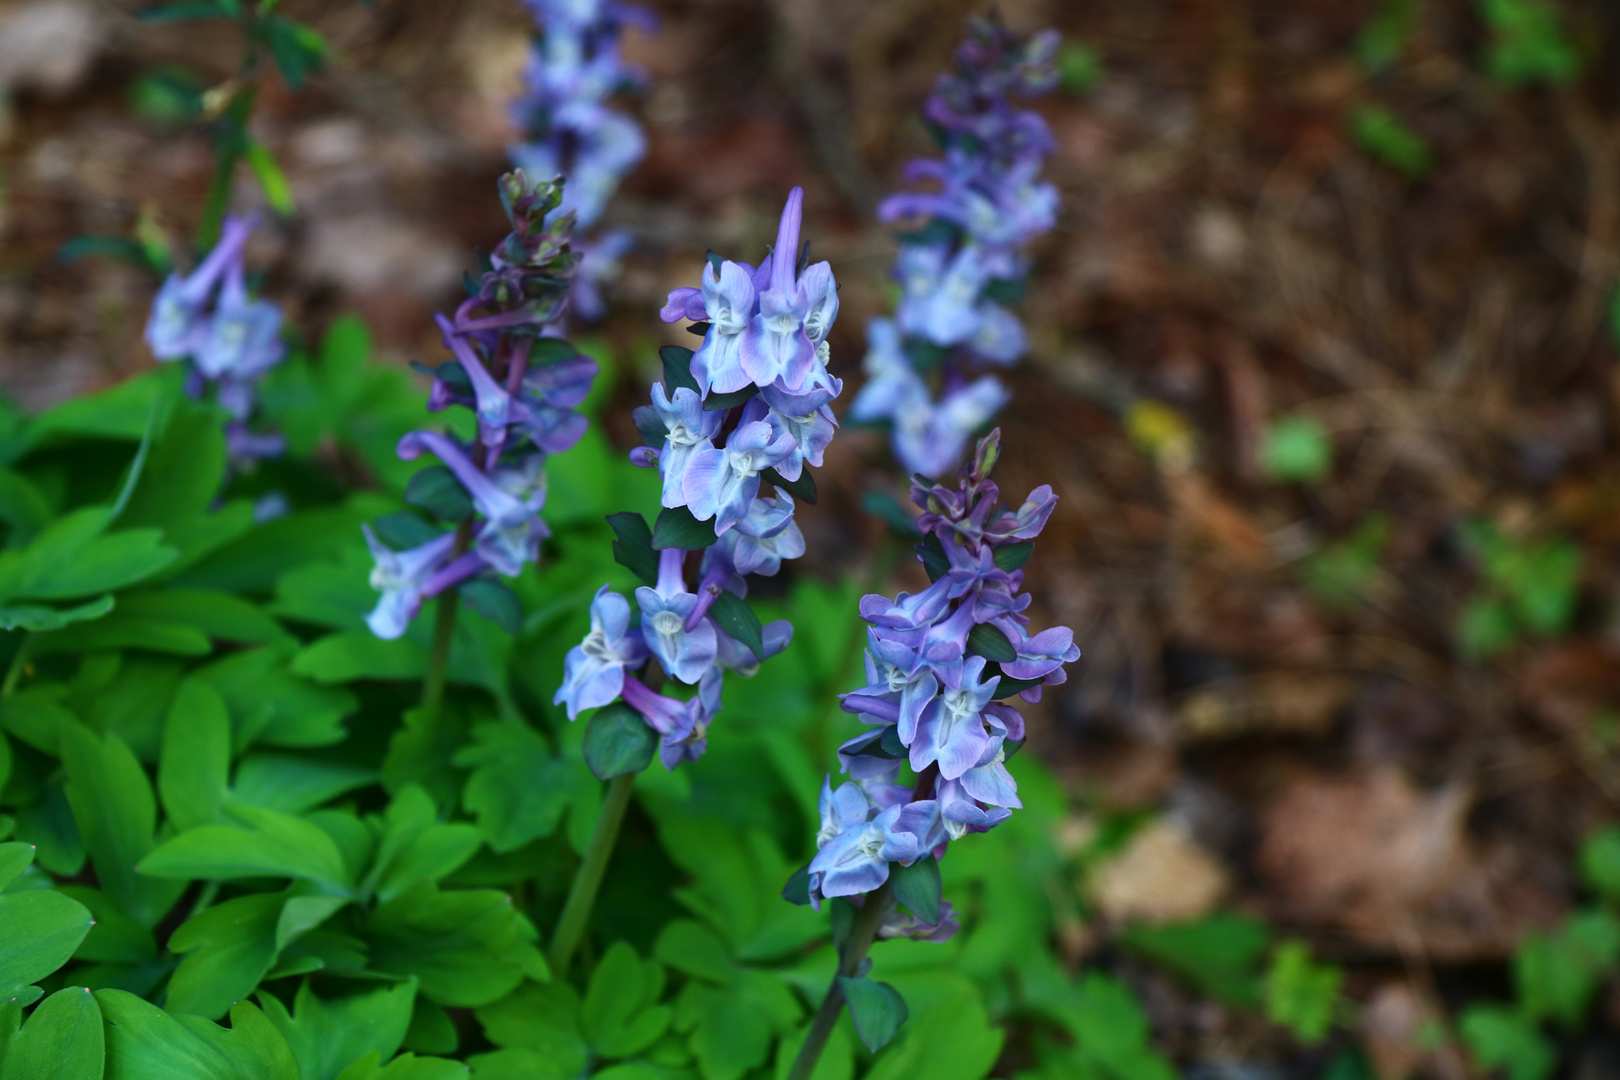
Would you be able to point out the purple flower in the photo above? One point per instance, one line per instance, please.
(901, 923)
(962, 813)
(951, 730)
(593, 672)
(176, 327)
(735, 656)
(775, 347)
(764, 537)
(683, 726)
(684, 654)
(895, 668)
(688, 429)
(841, 810)
(857, 859)
(810, 432)
(728, 305)
(244, 336)
(1041, 655)
(721, 483)
(510, 502)
(401, 577)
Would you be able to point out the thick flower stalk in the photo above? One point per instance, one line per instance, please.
(522, 387)
(570, 131)
(964, 260)
(206, 317)
(749, 408)
(941, 667)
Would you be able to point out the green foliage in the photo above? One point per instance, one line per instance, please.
(1218, 954)
(1296, 449)
(1390, 141)
(1385, 35)
(1079, 68)
(1345, 572)
(1300, 994)
(1504, 1039)
(1528, 589)
(1528, 43)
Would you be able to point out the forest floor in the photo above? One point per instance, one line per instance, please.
(1375, 704)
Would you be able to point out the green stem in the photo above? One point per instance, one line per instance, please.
(444, 631)
(588, 878)
(861, 935)
(19, 662)
(232, 142)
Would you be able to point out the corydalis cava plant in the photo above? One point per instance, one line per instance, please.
(569, 130)
(230, 340)
(965, 257)
(486, 496)
(941, 666)
(749, 407)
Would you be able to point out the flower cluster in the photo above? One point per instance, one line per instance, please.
(522, 387)
(750, 405)
(570, 131)
(230, 339)
(940, 665)
(965, 261)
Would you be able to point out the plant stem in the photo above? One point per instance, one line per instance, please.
(588, 878)
(232, 141)
(860, 939)
(19, 662)
(444, 631)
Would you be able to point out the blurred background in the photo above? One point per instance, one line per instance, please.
(1322, 368)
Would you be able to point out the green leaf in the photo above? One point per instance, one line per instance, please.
(1600, 862)
(38, 617)
(1218, 954)
(328, 1035)
(1010, 557)
(1301, 994)
(270, 705)
(618, 741)
(803, 489)
(405, 1067)
(271, 178)
(693, 949)
(293, 784)
(43, 928)
(201, 9)
(469, 948)
(677, 369)
(195, 768)
(115, 938)
(1558, 972)
(732, 1027)
(1296, 449)
(117, 816)
(62, 1040)
(296, 49)
(495, 601)
(716, 402)
(931, 553)
(14, 859)
(415, 847)
(35, 716)
(359, 654)
(228, 948)
(1387, 138)
(877, 1010)
(436, 490)
(518, 789)
(677, 528)
(1384, 37)
(146, 1043)
(733, 615)
(1528, 43)
(1501, 1038)
(540, 1020)
(1486, 628)
(270, 844)
(989, 642)
(918, 887)
(633, 548)
(620, 1016)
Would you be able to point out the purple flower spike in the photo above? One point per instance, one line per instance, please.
(721, 483)
(857, 859)
(775, 347)
(593, 673)
(401, 577)
(685, 655)
(951, 731)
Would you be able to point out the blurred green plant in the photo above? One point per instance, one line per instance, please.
(1528, 43)
(1301, 994)
(1556, 975)
(1528, 589)
(1079, 68)
(1345, 572)
(1296, 449)
(1385, 35)
(1390, 141)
